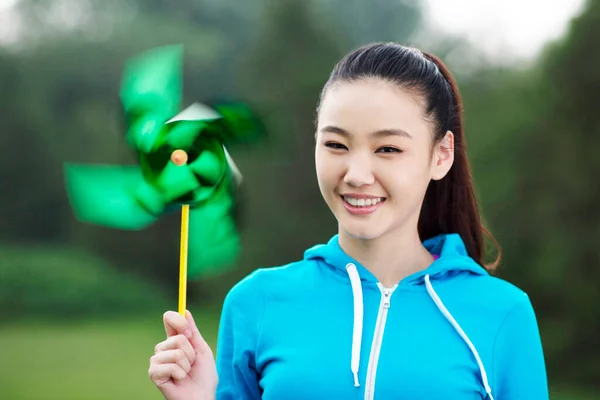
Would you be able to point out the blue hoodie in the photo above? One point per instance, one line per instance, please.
(325, 328)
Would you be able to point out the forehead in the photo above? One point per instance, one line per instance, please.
(372, 104)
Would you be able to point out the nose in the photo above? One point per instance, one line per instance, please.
(359, 172)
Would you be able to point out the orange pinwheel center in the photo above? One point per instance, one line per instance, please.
(179, 157)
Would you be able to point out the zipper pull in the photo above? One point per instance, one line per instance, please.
(386, 298)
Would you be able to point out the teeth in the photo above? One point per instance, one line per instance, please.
(362, 202)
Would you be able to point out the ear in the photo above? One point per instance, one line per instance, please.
(443, 157)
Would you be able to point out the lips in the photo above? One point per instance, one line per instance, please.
(361, 204)
(362, 201)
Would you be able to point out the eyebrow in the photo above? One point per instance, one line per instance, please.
(377, 134)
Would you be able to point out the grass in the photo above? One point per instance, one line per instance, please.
(98, 360)
(95, 360)
(573, 394)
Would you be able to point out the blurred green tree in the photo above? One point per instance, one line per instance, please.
(532, 135)
(562, 191)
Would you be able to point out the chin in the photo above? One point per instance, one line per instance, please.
(360, 227)
(364, 232)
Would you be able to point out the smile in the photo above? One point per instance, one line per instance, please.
(363, 202)
(362, 205)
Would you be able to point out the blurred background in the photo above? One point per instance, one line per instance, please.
(81, 306)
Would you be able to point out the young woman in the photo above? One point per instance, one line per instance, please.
(398, 304)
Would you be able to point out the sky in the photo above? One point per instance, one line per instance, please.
(518, 28)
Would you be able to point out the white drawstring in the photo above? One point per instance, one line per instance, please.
(358, 326)
(358, 320)
(449, 317)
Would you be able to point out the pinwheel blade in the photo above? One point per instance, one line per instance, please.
(103, 195)
(241, 124)
(214, 245)
(203, 194)
(152, 82)
(146, 133)
(186, 126)
(176, 180)
(237, 175)
(150, 199)
(183, 134)
(196, 112)
(209, 166)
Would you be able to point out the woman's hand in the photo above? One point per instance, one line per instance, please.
(183, 366)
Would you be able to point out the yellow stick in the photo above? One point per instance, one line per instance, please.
(183, 255)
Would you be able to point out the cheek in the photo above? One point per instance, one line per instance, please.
(324, 169)
(327, 163)
(407, 179)
(320, 166)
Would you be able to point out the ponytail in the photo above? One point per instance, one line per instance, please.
(450, 204)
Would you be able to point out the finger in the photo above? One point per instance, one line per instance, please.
(163, 373)
(175, 323)
(196, 340)
(177, 342)
(172, 357)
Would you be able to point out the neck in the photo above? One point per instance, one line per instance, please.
(390, 257)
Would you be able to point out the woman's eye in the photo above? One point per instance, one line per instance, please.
(336, 146)
(388, 149)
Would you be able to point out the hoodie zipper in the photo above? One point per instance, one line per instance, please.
(384, 305)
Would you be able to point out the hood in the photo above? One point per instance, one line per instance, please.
(451, 259)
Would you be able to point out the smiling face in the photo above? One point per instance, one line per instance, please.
(374, 157)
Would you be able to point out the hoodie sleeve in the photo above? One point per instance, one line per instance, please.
(241, 319)
(519, 367)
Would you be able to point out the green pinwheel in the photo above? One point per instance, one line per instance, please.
(183, 164)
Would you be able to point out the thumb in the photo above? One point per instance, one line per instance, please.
(197, 341)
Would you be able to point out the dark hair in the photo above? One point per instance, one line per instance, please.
(450, 204)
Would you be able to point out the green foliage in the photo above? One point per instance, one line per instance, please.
(566, 225)
(374, 20)
(65, 283)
